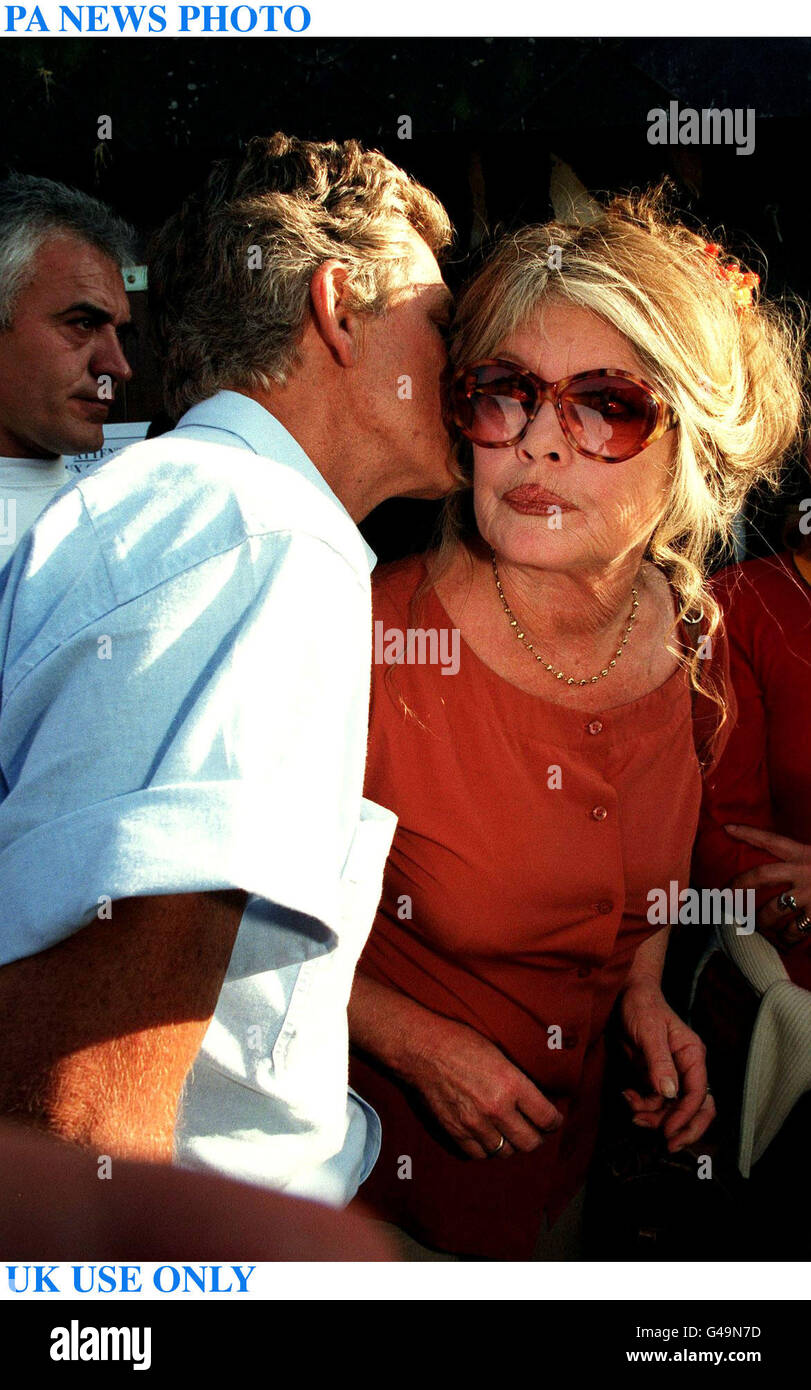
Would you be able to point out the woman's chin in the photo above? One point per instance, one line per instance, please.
(552, 552)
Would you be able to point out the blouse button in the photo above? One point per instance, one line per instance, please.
(569, 1041)
(599, 813)
(583, 972)
(595, 727)
(605, 906)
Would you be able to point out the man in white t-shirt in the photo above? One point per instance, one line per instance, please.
(62, 308)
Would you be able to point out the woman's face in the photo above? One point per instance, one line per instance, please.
(539, 502)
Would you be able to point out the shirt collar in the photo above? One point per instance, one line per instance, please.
(36, 470)
(252, 427)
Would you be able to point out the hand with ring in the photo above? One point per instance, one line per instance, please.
(485, 1103)
(789, 912)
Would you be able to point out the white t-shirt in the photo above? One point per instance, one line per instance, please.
(26, 488)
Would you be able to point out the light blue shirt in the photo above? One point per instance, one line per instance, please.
(186, 647)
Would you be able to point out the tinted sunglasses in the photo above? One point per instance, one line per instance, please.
(605, 413)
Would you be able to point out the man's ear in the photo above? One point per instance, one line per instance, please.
(339, 326)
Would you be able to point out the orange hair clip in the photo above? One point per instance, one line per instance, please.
(742, 283)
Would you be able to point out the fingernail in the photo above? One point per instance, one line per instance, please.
(641, 1120)
(668, 1088)
(626, 1095)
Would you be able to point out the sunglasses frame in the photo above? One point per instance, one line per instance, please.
(666, 418)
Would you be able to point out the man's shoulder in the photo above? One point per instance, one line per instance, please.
(173, 502)
(166, 512)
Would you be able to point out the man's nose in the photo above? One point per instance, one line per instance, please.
(108, 357)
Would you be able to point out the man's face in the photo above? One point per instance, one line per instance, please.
(60, 360)
(404, 355)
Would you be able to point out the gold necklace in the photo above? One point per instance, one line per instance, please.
(560, 675)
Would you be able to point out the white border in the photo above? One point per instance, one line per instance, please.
(427, 18)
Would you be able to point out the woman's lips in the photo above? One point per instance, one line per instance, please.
(535, 501)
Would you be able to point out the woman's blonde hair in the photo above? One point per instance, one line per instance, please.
(733, 374)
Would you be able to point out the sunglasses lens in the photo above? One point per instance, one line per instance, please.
(608, 416)
(490, 403)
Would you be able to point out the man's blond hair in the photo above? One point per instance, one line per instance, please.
(230, 272)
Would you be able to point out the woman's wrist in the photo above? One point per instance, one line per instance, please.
(649, 960)
(394, 1029)
(646, 981)
(424, 1043)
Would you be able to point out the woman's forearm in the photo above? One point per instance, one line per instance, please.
(649, 961)
(483, 1101)
(391, 1027)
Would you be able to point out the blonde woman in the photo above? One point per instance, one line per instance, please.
(616, 411)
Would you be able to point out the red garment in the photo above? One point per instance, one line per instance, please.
(528, 901)
(764, 776)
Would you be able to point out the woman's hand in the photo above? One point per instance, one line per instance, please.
(673, 1056)
(478, 1096)
(792, 873)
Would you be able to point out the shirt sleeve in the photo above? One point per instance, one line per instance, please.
(207, 734)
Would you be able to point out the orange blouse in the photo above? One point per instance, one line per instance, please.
(515, 897)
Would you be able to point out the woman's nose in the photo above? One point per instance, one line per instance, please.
(544, 438)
